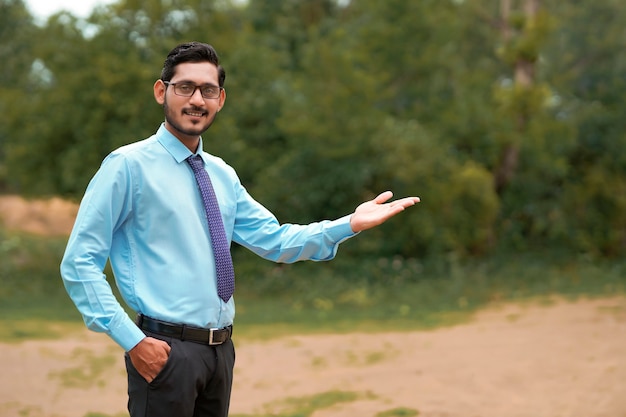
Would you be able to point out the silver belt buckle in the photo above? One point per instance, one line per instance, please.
(211, 342)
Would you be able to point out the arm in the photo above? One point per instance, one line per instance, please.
(258, 230)
(106, 205)
(103, 210)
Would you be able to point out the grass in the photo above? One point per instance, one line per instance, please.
(399, 412)
(89, 369)
(16, 330)
(371, 295)
(305, 406)
(347, 294)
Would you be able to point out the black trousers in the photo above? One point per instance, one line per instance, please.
(196, 381)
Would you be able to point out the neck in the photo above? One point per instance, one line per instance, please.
(191, 144)
(190, 141)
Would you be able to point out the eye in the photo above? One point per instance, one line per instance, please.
(210, 90)
(186, 88)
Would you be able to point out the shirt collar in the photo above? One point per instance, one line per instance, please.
(174, 146)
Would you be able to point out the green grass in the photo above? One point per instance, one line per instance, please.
(398, 294)
(399, 412)
(305, 406)
(346, 294)
(16, 330)
(31, 286)
(89, 369)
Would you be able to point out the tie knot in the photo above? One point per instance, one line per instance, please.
(196, 162)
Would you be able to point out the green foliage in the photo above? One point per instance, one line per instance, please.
(332, 102)
(17, 31)
(590, 82)
(527, 38)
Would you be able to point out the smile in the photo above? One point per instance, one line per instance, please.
(195, 113)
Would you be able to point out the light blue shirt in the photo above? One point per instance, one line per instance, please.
(143, 211)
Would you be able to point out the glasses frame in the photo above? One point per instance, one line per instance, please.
(195, 87)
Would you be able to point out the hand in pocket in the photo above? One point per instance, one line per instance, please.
(149, 357)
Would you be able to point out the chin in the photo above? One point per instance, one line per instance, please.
(190, 129)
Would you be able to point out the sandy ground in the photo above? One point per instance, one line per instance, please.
(563, 360)
(50, 217)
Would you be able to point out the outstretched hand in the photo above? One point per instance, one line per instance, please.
(377, 211)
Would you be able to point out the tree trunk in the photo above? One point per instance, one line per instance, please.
(524, 77)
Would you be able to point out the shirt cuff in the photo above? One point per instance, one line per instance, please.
(125, 332)
(340, 230)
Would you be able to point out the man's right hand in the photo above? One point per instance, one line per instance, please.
(149, 357)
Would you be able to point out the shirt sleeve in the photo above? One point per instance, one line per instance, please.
(257, 229)
(104, 208)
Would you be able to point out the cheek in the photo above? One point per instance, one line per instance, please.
(169, 106)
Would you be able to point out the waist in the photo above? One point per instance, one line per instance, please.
(183, 332)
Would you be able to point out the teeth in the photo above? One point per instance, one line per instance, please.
(194, 114)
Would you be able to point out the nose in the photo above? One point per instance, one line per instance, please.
(196, 97)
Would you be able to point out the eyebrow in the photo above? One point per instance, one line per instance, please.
(191, 82)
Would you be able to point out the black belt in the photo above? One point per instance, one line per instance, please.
(184, 332)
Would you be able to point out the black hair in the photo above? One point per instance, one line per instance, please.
(192, 52)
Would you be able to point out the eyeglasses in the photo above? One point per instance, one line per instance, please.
(189, 89)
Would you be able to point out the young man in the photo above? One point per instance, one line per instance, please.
(149, 210)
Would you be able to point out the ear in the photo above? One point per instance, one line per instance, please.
(159, 91)
(222, 99)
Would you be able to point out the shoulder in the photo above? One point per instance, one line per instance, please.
(136, 149)
(135, 153)
(217, 163)
(220, 170)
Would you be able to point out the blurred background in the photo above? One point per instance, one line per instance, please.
(507, 118)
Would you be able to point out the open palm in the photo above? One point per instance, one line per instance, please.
(377, 211)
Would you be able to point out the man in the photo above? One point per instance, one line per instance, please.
(147, 209)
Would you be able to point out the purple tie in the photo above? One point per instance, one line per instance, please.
(221, 247)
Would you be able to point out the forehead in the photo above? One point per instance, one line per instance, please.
(197, 72)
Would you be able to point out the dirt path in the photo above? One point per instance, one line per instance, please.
(564, 360)
(50, 217)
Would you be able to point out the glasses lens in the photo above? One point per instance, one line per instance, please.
(184, 89)
(187, 90)
(210, 91)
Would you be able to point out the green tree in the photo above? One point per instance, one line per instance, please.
(21, 76)
(588, 70)
(510, 126)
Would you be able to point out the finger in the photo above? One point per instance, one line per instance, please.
(409, 201)
(382, 197)
(405, 202)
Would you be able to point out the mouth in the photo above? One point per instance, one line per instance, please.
(195, 113)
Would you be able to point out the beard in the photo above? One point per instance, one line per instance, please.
(173, 120)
